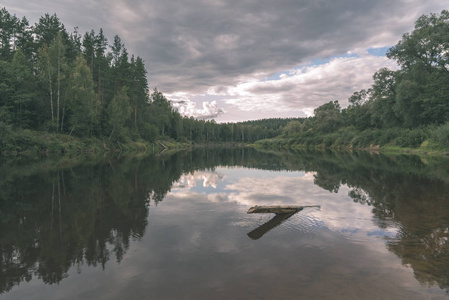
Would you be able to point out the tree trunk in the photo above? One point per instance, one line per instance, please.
(51, 90)
(58, 89)
(135, 114)
(112, 132)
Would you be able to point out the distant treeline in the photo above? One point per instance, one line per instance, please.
(405, 108)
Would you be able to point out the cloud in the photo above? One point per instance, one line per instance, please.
(231, 45)
(308, 87)
(191, 49)
(188, 181)
(189, 108)
(248, 188)
(295, 93)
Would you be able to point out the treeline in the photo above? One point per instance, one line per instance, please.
(201, 131)
(61, 82)
(405, 108)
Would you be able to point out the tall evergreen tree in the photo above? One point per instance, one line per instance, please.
(8, 28)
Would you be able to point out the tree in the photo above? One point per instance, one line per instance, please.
(8, 26)
(24, 89)
(116, 48)
(424, 58)
(161, 110)
(139, 86)
(292, 128)
(357, 113)
(101, 44)
(328, 117)
(383, 95)
(24, 40)
(89, 49)
(47, 29)
(45, 75)
(118, 111)
(84, 104)
(57, 52)
(427, 45)
(6, 92)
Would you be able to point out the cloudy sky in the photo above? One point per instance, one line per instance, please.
(236, 60)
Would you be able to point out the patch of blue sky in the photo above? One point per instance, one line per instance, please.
(314, 62)
(382, 51)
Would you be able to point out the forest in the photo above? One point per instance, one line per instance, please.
(62, 91)
(55, 83)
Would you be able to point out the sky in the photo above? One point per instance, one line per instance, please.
(239, 60)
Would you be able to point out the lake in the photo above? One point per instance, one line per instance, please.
(176, 226)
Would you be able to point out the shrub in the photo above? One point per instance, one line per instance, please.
(441, 135)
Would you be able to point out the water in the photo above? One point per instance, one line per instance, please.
(176, 227)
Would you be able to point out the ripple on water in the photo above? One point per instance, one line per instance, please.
(303, 222)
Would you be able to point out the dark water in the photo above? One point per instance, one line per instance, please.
(176, 227)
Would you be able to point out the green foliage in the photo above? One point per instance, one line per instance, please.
(149, 132)
(327, 117)
(292, 128)
(118, 112)
(84, 104)
(441, 135)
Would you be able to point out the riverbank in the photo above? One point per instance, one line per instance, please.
(30, 143)
(427, 148)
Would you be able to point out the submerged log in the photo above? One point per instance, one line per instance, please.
(282, 214)
(276, 221)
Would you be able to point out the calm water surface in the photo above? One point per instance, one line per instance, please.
(176, 227)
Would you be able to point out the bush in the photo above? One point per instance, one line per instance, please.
(388, 136)
(149, 132)
(440, 135)
(411, 138)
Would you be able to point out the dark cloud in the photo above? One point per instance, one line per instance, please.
(203, 44)
(196, 44)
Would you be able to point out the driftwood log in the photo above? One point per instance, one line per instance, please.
(276, 209)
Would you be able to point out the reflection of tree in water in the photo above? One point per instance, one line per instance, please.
(70, 217)
(53, 218)
(58, 214)
(405, 193)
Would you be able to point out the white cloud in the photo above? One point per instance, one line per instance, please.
(188, 181)
(309, 86)
(189, 108)
(209, 110)
(297, 92)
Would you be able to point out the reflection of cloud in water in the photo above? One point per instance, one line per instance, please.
(203, 235)
(275, 190)
(209, 179)
(244, 187)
